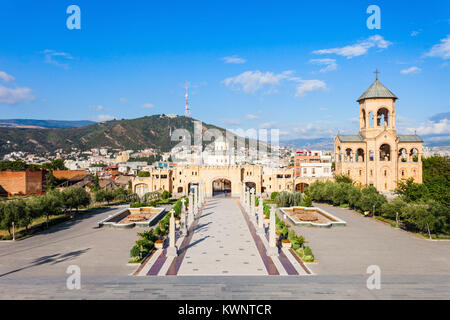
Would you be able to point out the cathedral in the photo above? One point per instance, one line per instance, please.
(377, 156)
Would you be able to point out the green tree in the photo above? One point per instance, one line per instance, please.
(166, 195)
(51, 204)
(391, 209)
(143, 174)
(411, 191)
(370, 197)
(343, 178)
(57, 164)
(353, 196)
(75, 197)
(100, 195)
(419, 215)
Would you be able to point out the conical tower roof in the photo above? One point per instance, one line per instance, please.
(377, 90)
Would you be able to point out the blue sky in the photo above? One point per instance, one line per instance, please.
(294, 65)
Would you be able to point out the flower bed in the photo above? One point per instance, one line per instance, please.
(312, 216)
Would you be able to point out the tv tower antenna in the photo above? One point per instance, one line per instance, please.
(187, 109)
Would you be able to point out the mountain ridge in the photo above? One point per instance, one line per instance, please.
(140, 133)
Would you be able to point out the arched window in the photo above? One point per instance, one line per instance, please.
(385, 152)
(414, 154)
(348, 155)
(382, 117)
(402, 155)
(371, 119)
(360, 155)
(141, 189)
(371, 155)
(363, 116)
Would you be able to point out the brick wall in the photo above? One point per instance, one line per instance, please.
(24, 182)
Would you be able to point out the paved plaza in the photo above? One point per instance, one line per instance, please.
(412, 267)
(222, 243)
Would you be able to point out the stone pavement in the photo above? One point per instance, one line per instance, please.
(223, 241)
(411, 267)
(227, 288)
(97, 251)
(365, 241)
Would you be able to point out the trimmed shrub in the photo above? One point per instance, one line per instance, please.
(135, 251)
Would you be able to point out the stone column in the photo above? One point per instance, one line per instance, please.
(194, 201)
(260, 229)
(272, 250)
(252, 206)
(183, 217)
(172, 249)
(191, 210)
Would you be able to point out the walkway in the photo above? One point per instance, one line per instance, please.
(223, 242)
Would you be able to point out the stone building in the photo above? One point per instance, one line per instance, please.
(377, 155)
(264, 179)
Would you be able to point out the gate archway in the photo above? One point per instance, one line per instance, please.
(221, 186)
(301, 187)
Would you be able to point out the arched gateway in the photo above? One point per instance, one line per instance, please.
(221, 186)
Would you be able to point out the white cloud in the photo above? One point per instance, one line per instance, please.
(330, 64)
(148, 105)
(358, 49)
(431, 127)
(411, 70)
(15, 96)
(57, 58)
(252, 81)
(123, 100)
(252, 116)
(98, 108)
(6, 77)
(103, 117)
(234, 59)
(307, 86)
(441, 50)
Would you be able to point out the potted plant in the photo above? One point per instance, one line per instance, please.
(285, 243)
(158, 244)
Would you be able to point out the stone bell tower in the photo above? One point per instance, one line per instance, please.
(377, 110)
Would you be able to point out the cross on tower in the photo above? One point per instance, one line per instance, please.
(377, 72)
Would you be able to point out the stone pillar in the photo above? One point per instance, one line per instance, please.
(195, 201)
(260, 229)
(191, 210)
(183, 217)
(172, 249)
(252, 206)
(272, 250)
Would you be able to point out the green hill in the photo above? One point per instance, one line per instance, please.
(152, 131)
